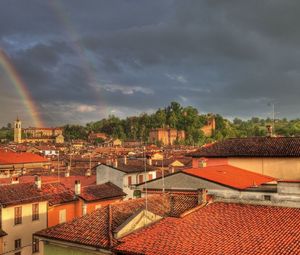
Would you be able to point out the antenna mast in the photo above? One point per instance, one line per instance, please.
(146, 179)
(163, 173)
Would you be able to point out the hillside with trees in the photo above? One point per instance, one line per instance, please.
(174, 116)
(182, 118)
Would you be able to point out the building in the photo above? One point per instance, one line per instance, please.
(224, 183)
(18, 131)
(132, 143)
(166, 136)
(125, 174)
(65, 204)
(178, 223)
(96, 196)
(14, 163)
(209, 128)
(23, 212)
(219, 228)
(97, 136)
(278, 157)
(37, 135)
(43, 150)
(98, 232)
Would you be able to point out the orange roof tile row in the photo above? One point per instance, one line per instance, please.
(9, 157)
(220, 228)
(92, 229)
(230, 176)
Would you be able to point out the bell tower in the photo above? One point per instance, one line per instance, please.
(17, 131)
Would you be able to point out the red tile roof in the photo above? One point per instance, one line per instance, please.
(22, 193)
(252, 147)
(230, 176)
(220, 228)
(8, 157)
(133, 166)
(69, 182)
(92, 229)
(57, 193)
(101, 192)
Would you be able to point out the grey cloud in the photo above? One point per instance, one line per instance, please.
(230, 57)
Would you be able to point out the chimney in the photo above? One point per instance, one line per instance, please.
(172, 169)
(149, 160)
(202, 193)
(108, 162)
(77, 187)
(38, 181)
(202, 163)
(15, 180)
(88, 172)
(269, 130)
(84, 209)
(115, 164)
(125, 160)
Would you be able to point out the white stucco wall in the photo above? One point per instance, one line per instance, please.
(24, 230)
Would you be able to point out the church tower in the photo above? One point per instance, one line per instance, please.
(17, 131)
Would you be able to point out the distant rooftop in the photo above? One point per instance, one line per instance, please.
(252, 147)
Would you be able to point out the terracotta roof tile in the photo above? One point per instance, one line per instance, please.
(57, 193)
(20, 194)
(100, 192)
(8, 157)
(220, 228)
(231, 176)
(252, 147)
(92, 229)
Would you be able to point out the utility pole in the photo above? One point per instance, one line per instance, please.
(58, 166)
(163, 172)
(273, 113)
(146, 179)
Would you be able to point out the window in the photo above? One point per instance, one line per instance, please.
(18, 253)
(18, 215)
(150, 177)
(18, 244)
(129, 180)
(62, 216)
(35, 245)
(35, 211)
(141, 179)
(267, 197)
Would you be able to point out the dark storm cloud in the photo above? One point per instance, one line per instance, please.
(83, 60)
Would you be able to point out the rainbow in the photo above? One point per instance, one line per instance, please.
(21, 89)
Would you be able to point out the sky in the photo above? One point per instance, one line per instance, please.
(84, 60)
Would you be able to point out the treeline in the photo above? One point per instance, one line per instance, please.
(138, 127)
(181, 118)
(6, 133)
(178, 117)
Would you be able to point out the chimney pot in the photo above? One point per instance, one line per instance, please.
(202, 163)
(38, 182)
(115, 164)
(14, 180)
(77, 187)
